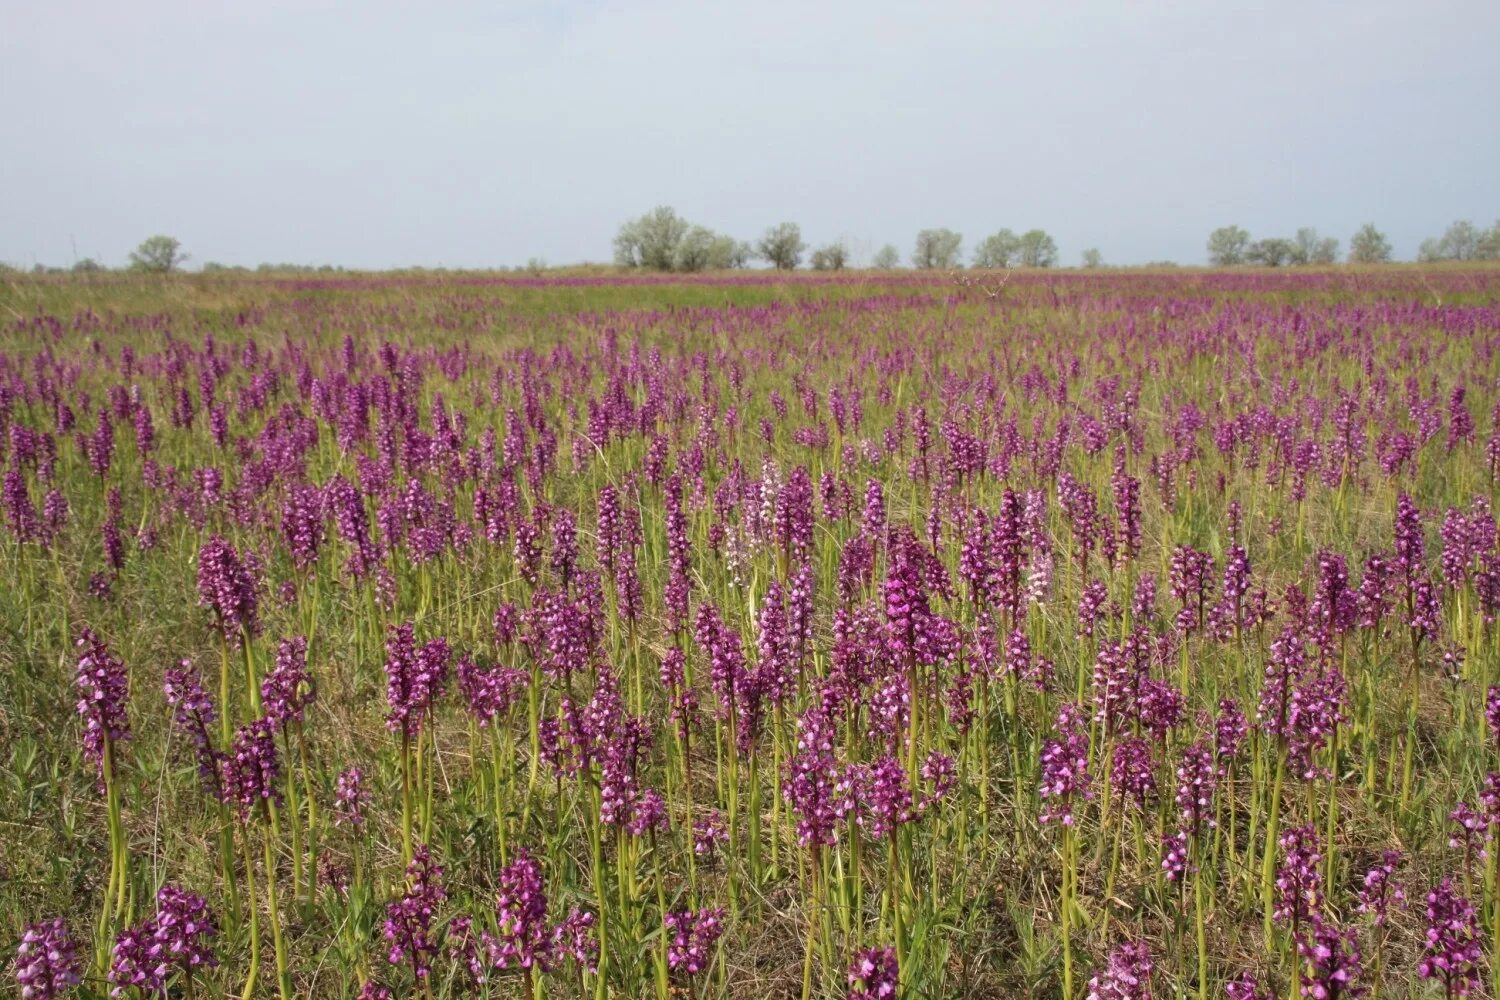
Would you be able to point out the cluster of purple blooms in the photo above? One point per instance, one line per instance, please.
(1452, 953)
(226, 586)
(103, 690)
(1126, 974)
(177, 939)
(409, 926)
(47, 963)
(874, 975)
(287, 689)
(415, 678)
(692, 935)
(1065, 767)
(350, 799)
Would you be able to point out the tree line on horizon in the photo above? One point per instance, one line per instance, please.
(1231, 246)
(662, 240)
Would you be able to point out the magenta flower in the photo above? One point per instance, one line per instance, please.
(1246, 986)
(350, 797)
(415, 678)
(1126, 974)
(1333, 961)
(1378, 889)
(708, 833)
(409, 920)
(1132, 771)
(692, 936)
(1299, 879)
(287, 689)
(1065, 767)
(47, 964)
(874, 975)
(521, 916)
(103, 691)
(176, 939)
(1452, 953)
(227, 587)
(1197, 778)
(810, 783)
(193, 713)
(253, 770)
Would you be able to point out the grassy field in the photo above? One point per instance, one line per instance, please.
(1109, 634)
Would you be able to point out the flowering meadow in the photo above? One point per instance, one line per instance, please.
(1108, 635)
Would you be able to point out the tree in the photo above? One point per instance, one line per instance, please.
(1489, 244)
(726, 252)
(157, 254)
(1037, 249)
(1227, 245)
(1308, 248)
(1460, 241)
(782, 246)
(87, 266)
(1092, 258)
(887, 258)
(651, 241)
(937, 249)
(832, 257)
(1369, 246)
(998, 250)
(1271, 252)
(693, 250)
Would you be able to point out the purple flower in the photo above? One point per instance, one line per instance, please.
(409, 920)
(350, 797)
(708, 833)
(1126, 974)
(1174, 856)
(47, 960)
(103, 690)
(1333, 961)
(176, 939)
(1452, 951)
(1065, 763)
(1197, 777)
(1299, 879)
(193, 713)
(490, 691)
(874, 975)
(227, 587)
(415, 678)
(287, 689)
(521, 916)
(131, 964)
(810, 784)
(1246, 986)
(372, 990)
(693, 934)
(253, 769)
(302, 525)
(1132, 771)
(574, 938)
(184, 929)
(1230, 730)
(1378, 890)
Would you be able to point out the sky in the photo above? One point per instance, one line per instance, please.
(388, 134)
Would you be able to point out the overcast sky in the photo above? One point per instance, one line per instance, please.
(378, 134)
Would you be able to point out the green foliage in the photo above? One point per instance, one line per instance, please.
(1227, 246)
(937, 250)
(782, 246)
(158, 255)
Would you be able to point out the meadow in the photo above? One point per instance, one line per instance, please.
(1114, 634)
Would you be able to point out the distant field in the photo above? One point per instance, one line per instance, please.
(875, 634)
